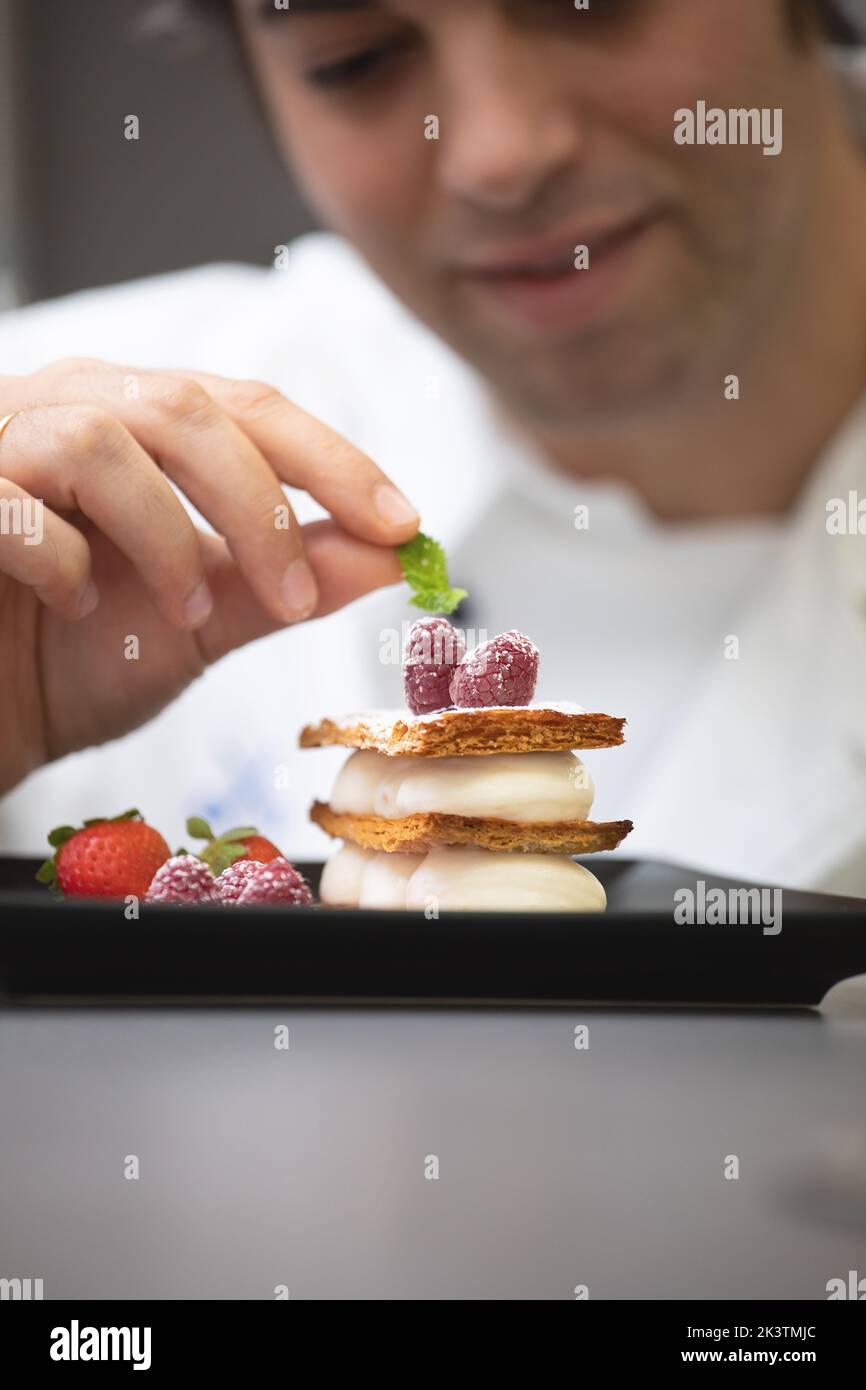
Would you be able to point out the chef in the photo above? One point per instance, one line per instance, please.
(694, 392)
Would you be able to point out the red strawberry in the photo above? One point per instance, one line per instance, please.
(277, 882)
(106, 859)
(258, 848)
(183, 879)
(234, 879)
(244, 842)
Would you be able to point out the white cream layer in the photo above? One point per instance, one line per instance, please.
(526, 787)
(456, 879)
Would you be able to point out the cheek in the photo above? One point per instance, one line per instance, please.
(728, 56)
(703, 47)
(368, 178)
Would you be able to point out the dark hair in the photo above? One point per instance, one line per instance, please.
(830, 17)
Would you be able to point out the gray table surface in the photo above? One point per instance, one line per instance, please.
(558, 1167)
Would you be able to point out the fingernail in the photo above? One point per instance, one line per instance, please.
(393, 507)
(88, 600)
(300, 591)
(198, 606)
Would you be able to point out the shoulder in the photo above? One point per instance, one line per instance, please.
(126, 322)
(209, 316)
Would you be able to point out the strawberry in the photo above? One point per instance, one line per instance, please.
(259, 849)
(244, 842)
(105, 859)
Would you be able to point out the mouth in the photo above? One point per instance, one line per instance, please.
(552, 285)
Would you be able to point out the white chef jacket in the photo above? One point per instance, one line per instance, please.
(735, 650)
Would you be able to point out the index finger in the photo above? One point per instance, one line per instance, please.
(307, 454)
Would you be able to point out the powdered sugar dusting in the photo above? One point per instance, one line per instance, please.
(500, 672)
(434, 650)
(380, 721)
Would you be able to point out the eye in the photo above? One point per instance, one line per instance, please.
(361, 66)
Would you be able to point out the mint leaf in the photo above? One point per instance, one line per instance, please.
(438, 601)
(426, 571)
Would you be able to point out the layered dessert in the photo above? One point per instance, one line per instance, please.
(473, 798)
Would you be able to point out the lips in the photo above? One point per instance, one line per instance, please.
(543, 269)
(540, 285)
(555, 259)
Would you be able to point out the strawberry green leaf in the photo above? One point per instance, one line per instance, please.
(109, 820)
(220, 850)
(47, 874)
(199, 828)
(220, 854)
(60, 835)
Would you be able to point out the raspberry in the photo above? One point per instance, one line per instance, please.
(233, 880)
(502, 671)
(275, 882)
(433, 650)
(183, 879)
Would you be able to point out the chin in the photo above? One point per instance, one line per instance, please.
(587, 391)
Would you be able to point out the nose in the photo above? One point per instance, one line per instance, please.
(505, 131)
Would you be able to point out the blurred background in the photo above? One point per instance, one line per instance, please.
(81, 205)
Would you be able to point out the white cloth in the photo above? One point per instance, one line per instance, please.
(754, 766)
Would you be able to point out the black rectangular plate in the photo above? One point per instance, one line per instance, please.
(635, 953)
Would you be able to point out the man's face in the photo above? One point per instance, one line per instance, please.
(555, 130)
